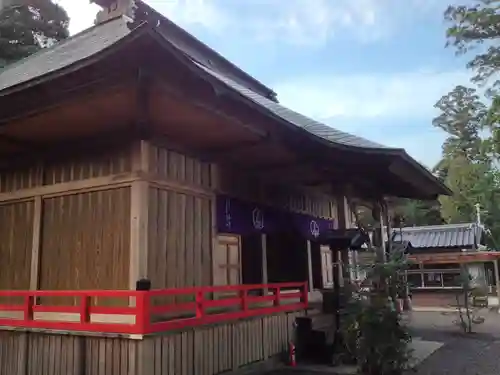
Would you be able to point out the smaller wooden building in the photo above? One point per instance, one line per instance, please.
(440, 254)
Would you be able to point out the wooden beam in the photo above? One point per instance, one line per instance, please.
(462, 257)
(212, 108)
(233, 148)
(309, 266)
(25, 145)
(180, 187)
(32, 103)
(138, 232)
(265, 279)
(143, 121)
(140, 156)
(35, 244)
(73, 187)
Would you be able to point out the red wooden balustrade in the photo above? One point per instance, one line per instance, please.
(146, 312)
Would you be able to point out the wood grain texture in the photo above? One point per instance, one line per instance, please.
(86, 241)
(180, 239)
(16, 232)
(203, 351)
(70, 166)
(311, 201)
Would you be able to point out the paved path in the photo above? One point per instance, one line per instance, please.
(475, 354)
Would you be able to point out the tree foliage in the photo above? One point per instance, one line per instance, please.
(417, 213)
(471, 152)
(29, 26)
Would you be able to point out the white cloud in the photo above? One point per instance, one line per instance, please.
(360, 96)
(204, 13)
(304, 22)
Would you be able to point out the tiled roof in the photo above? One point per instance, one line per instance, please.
(314, 127)
(441, 236)
(94, 42)
(64, 54)
(96, 39)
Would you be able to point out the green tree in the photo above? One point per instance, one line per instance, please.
(472, 150)
(468, 165)
(477, 25)
(24, 29)
(477, 28)
(418, 213)
(461, 117)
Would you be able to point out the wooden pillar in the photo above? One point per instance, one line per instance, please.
(497, 281)
(309, 266)
(421, 265)
(35, 244)
(138, 232)
(139, 215)
(263, 242)
(345, 221)
(382, 254)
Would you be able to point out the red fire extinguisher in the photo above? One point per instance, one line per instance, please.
(291, 352)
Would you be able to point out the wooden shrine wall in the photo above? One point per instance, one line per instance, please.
(179, 220)
(309, 201)
(181, 232)
(65, 221)
(180, 223)
(114, 214)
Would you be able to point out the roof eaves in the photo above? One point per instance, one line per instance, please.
(445, 190)
(373, 148)
(272, 94)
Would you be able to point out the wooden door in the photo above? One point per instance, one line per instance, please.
(326, 266)
(227, 260)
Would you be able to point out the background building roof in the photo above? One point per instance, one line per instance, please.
(468, 235)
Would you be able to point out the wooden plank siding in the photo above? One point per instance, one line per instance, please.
(87, 234)
(16, 229)
(69, 167)
(203, 351)
(65, 221)
(180, 239)
(180, 223)
(310, 201)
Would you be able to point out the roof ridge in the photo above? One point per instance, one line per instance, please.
(205, 46)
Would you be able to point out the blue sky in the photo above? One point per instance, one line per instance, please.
(373, 68)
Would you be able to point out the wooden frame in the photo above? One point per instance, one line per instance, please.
(35, 246)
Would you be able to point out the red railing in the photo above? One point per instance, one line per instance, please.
(145, 312)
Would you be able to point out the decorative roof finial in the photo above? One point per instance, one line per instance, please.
(114, 8)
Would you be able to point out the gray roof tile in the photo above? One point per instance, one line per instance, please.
(297, 119)
(441, 236)
(98, 38)
(64, 54)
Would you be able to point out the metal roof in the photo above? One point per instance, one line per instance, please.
(466, 235)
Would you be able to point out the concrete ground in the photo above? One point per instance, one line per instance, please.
(442, 348)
